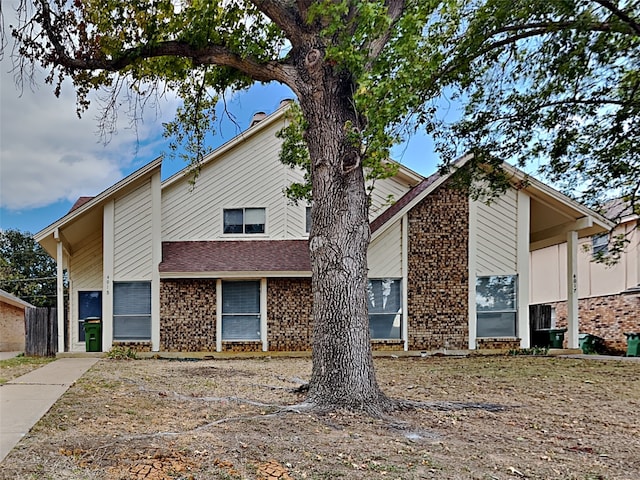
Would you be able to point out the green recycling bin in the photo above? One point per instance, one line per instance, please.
(93, 334)
(633, 344)
(590, 344)
(556, 337)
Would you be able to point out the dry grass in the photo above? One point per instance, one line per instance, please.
(20, 365)
(221, 419)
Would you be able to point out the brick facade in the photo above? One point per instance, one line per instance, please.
(188, 315)
(289, 317)
(438, 292)
(12, 329)
(608, 317)
(438, 273)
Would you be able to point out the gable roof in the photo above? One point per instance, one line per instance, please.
(6, 297)
(235, 256)
(83, 209)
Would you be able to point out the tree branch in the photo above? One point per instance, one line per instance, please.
(395, 8)
(209, 55)
(286, 18)
(550, 27)
(620, 14)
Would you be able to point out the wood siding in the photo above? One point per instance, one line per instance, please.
(385, 254)
(497, 235)
(85, 265)
(249, 175)
(133, 235)
(385, 193)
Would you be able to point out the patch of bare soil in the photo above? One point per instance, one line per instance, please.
(222, 419)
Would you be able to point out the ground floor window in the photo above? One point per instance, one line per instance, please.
(89, 306)
(132, 311)
(385, 308)
(240, 310)
(496, 306)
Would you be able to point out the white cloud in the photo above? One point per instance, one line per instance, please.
(47, 154)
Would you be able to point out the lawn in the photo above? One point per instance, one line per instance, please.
(483, 418)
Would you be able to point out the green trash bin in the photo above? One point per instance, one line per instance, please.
(633, 344)
(590, 344)
(556, 337)
(93, 334)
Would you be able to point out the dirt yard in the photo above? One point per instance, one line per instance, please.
(221, 419)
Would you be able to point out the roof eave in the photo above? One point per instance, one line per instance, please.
(140, 174)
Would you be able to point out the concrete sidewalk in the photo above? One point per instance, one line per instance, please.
(24, 400)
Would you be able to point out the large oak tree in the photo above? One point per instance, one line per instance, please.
(553, 78)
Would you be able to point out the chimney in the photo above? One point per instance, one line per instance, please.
(257, 118)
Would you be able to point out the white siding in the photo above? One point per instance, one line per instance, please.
(385, 193)
(85, 265)
(385, 254)
(248, 175)
(133, 235)
(85, 273)
(497, 235)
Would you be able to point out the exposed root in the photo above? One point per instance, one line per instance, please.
(449, 406)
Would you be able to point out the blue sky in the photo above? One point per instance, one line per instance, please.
(49, 157)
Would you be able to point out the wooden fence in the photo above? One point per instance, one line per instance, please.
(41, 331)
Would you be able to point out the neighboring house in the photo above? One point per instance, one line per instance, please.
(223, 265)
(12, 323)
(609, 296)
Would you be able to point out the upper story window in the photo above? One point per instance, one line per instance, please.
(244, 220)
(307, 224)
(599, 244)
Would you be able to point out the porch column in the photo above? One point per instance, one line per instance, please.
(572, 289)
(60, 289)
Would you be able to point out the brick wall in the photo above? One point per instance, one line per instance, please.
(289, 318)
(188, 315)
(12, 330)
(608, 317)
(438, 283)
(135, 346)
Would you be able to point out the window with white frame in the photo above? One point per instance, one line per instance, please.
(89, 307)
(385, 308)
(496, 306)
(240, 310)
(132, 311)
(244, 220)
(599, 245)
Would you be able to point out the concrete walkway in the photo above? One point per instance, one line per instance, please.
(24, 400)
(8, 355)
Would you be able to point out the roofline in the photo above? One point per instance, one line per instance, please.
(418, 198)
(225, 147)
(13, 300)
(139, 174)
(230, 274)
(556, 195)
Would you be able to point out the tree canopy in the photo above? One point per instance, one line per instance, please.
(26, 270)
(550, 81)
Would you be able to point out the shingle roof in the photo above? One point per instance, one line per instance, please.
(81, 201)
(403, 201)
(236, 256)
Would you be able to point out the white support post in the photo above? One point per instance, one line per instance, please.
(60, 290)
(572, 289)
(405, 281)
(218, 315)
(263, 315)
(524, 206)
(156, 254)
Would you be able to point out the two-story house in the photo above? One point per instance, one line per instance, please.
(223, 265)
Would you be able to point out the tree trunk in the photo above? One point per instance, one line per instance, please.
(343, 375)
